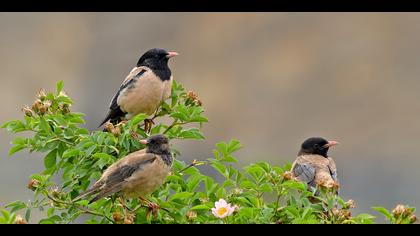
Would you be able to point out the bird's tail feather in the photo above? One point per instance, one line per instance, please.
(106, 192)
(114, 116)
(86, 193)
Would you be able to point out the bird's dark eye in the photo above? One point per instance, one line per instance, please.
(316, 145)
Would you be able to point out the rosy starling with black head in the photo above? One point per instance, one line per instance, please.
(313, 166)
(137, 174)
(143, 90)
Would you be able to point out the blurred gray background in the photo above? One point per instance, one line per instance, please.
(269, 80)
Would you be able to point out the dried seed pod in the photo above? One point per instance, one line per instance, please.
(191, 215)
(41, 94)
(27, 110)
(65, 108)
(399, 210)
(413, 219)
(129, 219)
(349, 204)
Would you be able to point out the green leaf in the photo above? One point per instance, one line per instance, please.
(228, 158)
(223, 148)
(233, 146)
(14, 126)
(192, 133)
(181, 195)
(71, 153)
(43, 125)
(248, 184)
(28, 214)
(220, 168)
(83, 202)
(383, 211)
(66, 100)
(50, 211)
(247, 212)
(200, 207)
(194, 181)
(59, 86)
(50, 159)
(209, 182)
(290, 184)
(41, 178)
(6, 214)
(364, 218)
(103, 156)
(265, 187)
(16, 148)
(16, 205)
(137, 119)
(19, 141)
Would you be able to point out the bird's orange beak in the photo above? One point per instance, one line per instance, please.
(330, 144)
(143, 141)
(172, 54)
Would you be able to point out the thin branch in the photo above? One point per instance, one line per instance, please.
(193, 163)
(84, 210)
(174, 124)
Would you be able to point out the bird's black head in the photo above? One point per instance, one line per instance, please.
(157, 60)
(316, 145)
(158, 144)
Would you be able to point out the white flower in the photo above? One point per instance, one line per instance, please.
(222, 209)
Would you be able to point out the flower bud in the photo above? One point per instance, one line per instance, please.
(237, 191)
(36, 105)
(128, 221)
(204, 200)
(42, 110)
(194, 97)
(33, 184)
(287, 175)
(55, 193)
(117, 217)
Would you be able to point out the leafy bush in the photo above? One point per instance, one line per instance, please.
(75, 157)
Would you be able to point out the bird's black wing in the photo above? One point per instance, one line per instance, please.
(115, 113)
(304, 172)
